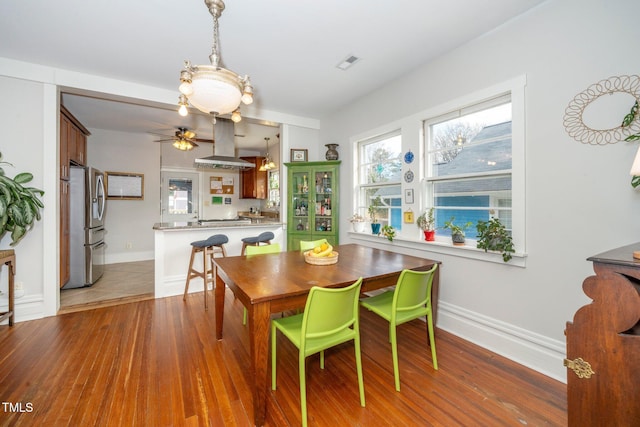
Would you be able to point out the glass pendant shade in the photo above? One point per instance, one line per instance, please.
(214, 91)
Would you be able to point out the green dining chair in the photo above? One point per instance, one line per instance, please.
(259, 250)
(410, 300)
(330, 317)
(306, 245)
(264, 249)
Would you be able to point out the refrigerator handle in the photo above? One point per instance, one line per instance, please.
(100, 193)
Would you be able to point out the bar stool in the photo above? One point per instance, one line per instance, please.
(265, 238)
(209, 247)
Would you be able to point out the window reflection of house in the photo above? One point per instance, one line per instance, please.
(485, 196)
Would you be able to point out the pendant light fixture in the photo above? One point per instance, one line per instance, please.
(267, 163)
(213, 89)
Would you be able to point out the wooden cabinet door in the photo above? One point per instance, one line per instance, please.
(65, 128)
(64, 233)
(253, 182)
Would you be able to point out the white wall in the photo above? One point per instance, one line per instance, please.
(578, 198)
(21, 145)
(128, 221)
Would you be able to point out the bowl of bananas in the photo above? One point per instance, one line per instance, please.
(321, 255)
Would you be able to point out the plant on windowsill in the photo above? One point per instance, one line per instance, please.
(357, 222)
(493, 236)
(457, 231)
(389, 232)
(373, 215)
(19, 205)
(427, 223)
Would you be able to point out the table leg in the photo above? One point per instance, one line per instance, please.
(11, 291)
(259, 323)
(219, 299)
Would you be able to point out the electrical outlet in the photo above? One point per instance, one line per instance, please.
(17, 285)
(129, 245)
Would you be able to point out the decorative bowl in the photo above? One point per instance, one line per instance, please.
(325, 260)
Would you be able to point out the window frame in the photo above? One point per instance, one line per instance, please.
(413, 138)
(477, 101)
(360, 202)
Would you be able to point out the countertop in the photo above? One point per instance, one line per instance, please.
(213, 224)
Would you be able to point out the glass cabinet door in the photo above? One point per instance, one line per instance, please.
(300, 201)
(323, 214)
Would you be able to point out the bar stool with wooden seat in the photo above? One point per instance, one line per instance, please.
(209, 247)
(265, 238)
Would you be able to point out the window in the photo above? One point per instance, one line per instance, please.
(379, 176)
(469, 164)
(274, 188)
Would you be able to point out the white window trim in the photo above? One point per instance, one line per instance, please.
(413, 124)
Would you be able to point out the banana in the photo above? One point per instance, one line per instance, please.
(326, 252)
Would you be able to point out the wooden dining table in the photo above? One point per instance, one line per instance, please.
(273, 283)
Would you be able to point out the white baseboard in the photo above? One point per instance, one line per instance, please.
(116, 258)
(27, 307)
(532, 350)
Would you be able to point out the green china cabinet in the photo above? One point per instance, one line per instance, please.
(312, 202)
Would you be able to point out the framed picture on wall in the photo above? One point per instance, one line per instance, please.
(299, 154)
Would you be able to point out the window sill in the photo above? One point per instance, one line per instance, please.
(442, 246)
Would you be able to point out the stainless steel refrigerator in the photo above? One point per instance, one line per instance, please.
(86, 224)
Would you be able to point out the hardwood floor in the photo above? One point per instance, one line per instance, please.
(157, 363)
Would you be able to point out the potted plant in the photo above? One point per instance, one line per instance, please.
(19, 205)
(457, 232)
(427, 224)
(357, 222)
(373, 215)
(389, 232)
(493, 236)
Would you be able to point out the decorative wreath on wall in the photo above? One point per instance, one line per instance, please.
(629, 130)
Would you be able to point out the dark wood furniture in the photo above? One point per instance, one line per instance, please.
(8, 258)
(603, 344)
(73, 151)
(274, 283)
(253, 181)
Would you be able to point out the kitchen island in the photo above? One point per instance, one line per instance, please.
(173, 248)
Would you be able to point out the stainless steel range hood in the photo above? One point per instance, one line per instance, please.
(223, 149)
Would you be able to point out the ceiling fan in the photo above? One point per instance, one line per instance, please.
(183, 139)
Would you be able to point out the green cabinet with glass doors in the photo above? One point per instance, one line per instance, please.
(312, 202)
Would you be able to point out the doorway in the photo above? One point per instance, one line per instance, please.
(180, 196)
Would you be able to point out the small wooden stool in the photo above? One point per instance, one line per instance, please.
(208, 247)
(265, 238)
(8, 257)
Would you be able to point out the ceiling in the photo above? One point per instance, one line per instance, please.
(290, 49)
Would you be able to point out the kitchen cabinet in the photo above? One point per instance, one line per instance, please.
(312, 202)
(65, 269)
(253, 182)
(73, 140)
(73, 149)
(603, 344)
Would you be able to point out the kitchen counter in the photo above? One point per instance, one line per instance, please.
(173, 248)
(209, 224)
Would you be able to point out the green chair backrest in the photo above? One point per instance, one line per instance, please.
(413, 290)
(330, 310)
(263, 249)
(306, 245)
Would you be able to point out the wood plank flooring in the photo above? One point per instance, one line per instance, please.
(157, 363)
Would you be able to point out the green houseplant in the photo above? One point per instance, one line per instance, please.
(373, 214)
(389, 232)
(457, 231)
(493, 236)
(427, 223)
(19, 205)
